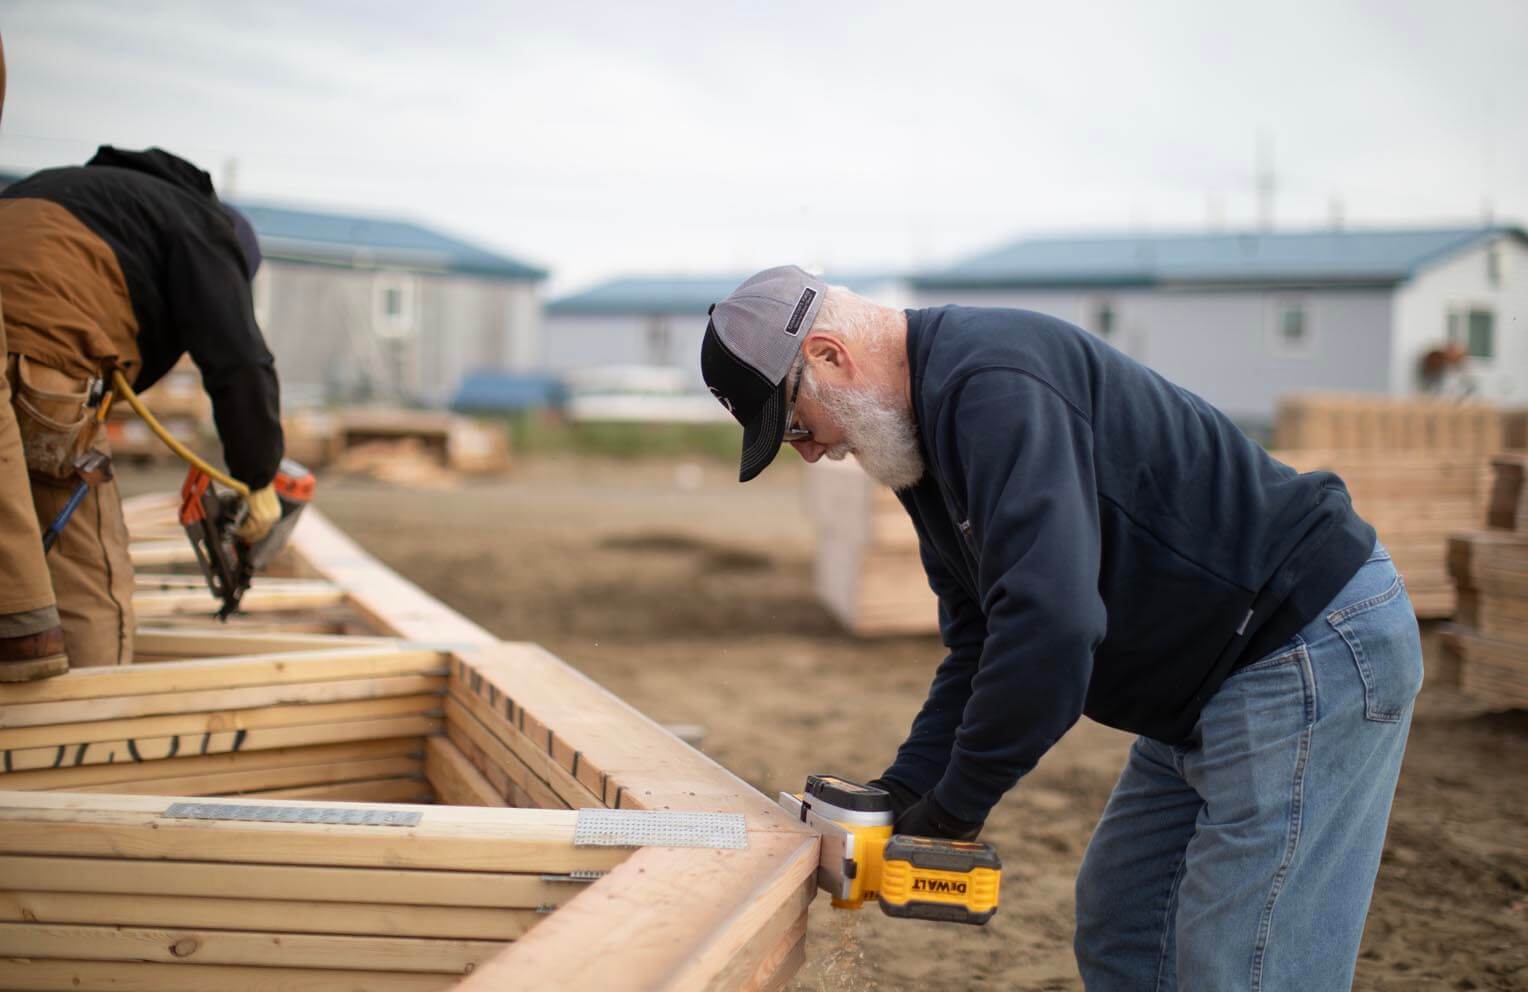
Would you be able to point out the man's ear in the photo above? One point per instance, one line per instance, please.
(829, 351)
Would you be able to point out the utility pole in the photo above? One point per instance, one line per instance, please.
(1265, 183)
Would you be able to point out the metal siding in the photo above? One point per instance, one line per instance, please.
(1217, 344)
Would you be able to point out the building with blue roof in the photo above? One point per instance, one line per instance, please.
(362, 308)
(1242, 318)
(656, 323)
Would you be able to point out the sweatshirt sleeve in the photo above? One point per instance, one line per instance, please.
(210, 303)
(922, 758)
(1024, 457)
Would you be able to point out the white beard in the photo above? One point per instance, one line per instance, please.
(876, 431)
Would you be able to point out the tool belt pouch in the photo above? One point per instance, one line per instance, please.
(53, 412)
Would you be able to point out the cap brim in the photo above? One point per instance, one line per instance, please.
(761, 439)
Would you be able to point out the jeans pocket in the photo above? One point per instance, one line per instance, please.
(1381, 634)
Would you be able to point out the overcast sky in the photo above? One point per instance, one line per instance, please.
(600, 139)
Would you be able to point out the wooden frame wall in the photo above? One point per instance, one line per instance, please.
(484, 723)
(665, 918)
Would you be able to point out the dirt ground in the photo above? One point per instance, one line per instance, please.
(691, 597)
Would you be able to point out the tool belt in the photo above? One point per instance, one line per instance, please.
(56, 416)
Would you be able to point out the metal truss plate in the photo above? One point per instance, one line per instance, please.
(345, 815)
(659, 828)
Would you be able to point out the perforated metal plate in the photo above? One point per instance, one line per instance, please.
(659, 828)
(349, 816)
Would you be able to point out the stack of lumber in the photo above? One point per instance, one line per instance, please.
(868, 573)
(869, 576)
(112, 891)
(1415, 500)
(1361, 422)
(1489, 639)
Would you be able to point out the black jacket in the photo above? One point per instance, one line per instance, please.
(1101, 541)
(187, 282)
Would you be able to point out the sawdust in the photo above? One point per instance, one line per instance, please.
(844, 967)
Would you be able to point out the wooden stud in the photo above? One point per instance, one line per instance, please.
(214, 700)
(70, 734)
(123, 976)
(85, 777)
(292, 916)
(280, 668)
(262, 780)
(234, 947)
(447, 837)
(412, 789)
(148, 749)
(456, 782)
(200, 879)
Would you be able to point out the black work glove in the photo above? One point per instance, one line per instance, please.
(902, 797)
(926, 818)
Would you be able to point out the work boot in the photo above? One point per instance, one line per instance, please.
(33, 656)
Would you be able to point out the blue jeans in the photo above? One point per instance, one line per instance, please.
(1245, 858)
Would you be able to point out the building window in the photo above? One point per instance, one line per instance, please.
(1290, 331)
(1493, 266)
(393, 304)
(1473, 329)
(1103, 319)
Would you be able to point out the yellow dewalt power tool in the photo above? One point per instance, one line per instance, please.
(920, 878)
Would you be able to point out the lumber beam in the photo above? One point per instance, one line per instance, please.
(178, 724)
(456, 781)
(147, 749)
(278, 668)
(280, 883)
(290, 916)
(447, 837)
(667, 918)
(44, 975)
(86, 778)
(464, 728)
(620, 755)
(263, 780)
(390, 602)
(402, 789)
(258, 599)
(235, 947)
(170, 642)
(214, 700)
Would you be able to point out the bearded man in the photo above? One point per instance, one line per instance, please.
(1103, 542)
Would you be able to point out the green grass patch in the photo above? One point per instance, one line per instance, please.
(538, 434)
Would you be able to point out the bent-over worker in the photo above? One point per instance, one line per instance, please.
(1103, 542)
(127, 262)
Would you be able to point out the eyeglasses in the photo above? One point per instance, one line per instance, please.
(793, 432)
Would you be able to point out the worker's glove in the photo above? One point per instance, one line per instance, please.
(926, 818)
(902, 797)
(264, 511)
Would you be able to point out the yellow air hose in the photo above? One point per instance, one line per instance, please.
(120, 382)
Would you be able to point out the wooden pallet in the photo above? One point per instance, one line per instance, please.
(1366, 422)
(1415, 500)
(417, 709)
(868, 573)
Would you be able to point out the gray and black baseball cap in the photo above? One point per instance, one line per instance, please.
(751, 342)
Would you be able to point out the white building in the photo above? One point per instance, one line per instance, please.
(1244, 318)
(656, 321)
(358, 308)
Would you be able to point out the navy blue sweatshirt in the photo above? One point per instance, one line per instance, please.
(1101, 541)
